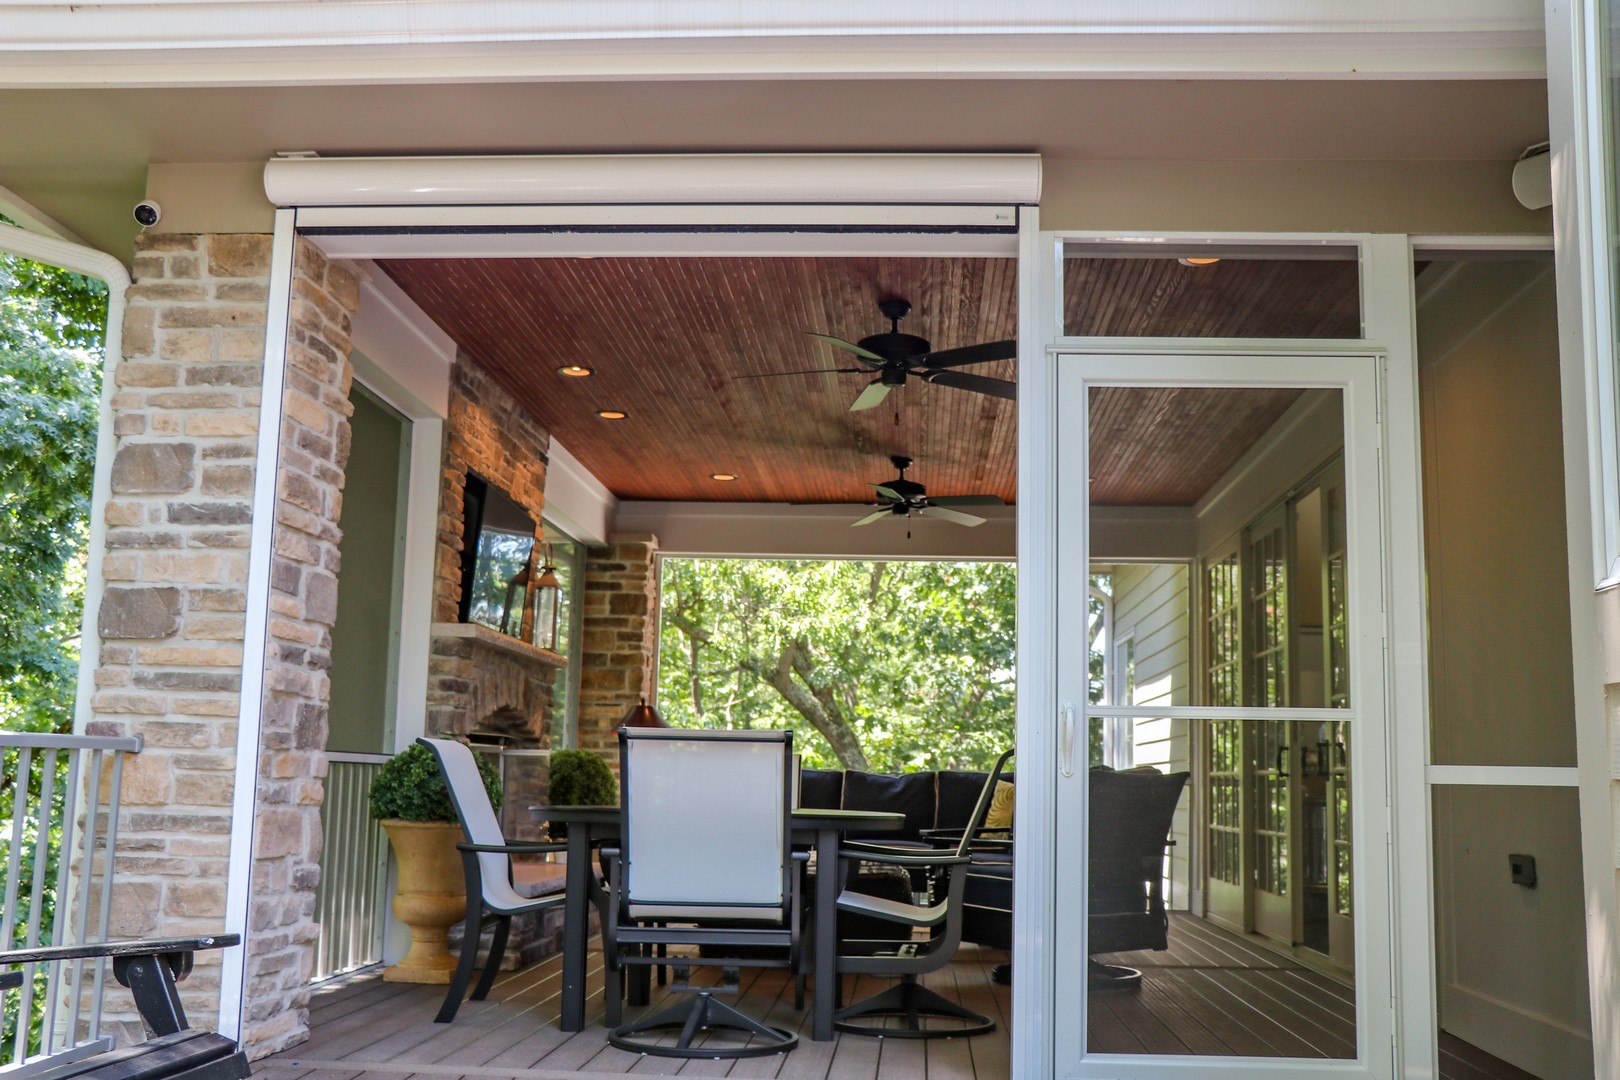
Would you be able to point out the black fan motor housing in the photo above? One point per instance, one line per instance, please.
(896, 346)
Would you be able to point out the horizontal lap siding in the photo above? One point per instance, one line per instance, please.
(1151, 603)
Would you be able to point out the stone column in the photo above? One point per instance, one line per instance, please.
(186, 416)
(303, 607)
(619, 662)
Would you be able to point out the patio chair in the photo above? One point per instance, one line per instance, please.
(705, 861)
(907, 999)
(1132, 813)
(486, 864)
(1130, 820)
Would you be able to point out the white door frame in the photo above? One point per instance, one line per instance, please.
(1357, 378)
(1388, 321)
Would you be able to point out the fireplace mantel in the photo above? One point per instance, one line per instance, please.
(501, 643)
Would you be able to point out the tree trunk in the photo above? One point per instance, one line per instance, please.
(818, 708)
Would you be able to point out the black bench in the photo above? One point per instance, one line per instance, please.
(151, 970)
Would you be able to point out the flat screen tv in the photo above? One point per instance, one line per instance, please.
(497, 556)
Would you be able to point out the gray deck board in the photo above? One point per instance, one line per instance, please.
(1211, 993)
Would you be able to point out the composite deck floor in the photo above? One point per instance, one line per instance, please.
(1212, 993)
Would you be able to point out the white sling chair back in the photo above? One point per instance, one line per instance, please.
(706, 821)
(705, 859)
(486, 858)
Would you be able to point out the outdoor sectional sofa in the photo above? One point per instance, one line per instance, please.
(928, 799)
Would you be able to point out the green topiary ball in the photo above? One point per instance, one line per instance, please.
(581, 778)
(409, 786)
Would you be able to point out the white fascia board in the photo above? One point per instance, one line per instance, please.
(403, 343)
(229, 41)
(777, 531)
(563, 179)
(576, 501)
(1514, 55)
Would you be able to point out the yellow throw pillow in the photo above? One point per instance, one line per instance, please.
(1001, 807)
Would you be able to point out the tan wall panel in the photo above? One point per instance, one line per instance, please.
(1501, 674)
(1512, 959)
(1285, 196)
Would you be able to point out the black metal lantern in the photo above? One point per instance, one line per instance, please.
(547, 604)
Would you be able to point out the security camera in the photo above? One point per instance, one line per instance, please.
(147, 213)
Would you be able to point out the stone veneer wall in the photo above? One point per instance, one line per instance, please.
(488, 433)
(303, 607)
(186, 418)
(620, 655)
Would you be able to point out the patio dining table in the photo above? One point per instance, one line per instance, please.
(590, 826)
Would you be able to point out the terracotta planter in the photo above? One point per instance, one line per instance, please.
(431, 897)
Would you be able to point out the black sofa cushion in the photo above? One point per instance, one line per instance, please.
(821, 789)
(911, 794)
(958, 793)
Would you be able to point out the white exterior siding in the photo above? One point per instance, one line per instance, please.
(1152, 604)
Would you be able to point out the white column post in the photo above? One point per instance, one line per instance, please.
(1389, 313)
(238, 889)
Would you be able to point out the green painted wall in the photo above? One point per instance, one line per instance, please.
(365, 641)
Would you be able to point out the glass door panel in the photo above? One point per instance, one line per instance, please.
(1233, 757)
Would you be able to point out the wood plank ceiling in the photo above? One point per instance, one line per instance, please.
(667, 338)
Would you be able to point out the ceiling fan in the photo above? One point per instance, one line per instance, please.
(902, 498)
(893, 356)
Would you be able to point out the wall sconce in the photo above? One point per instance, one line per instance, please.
(547, 604)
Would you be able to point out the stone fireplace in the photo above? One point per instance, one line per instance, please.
(494, 687)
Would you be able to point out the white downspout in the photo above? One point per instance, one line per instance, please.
(97, 264)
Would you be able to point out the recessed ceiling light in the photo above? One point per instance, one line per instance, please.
(1199, 261)
(722, 476)
(612, 414)
(575, 371)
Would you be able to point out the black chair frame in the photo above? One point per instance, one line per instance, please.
(907, 999)
(150, 969)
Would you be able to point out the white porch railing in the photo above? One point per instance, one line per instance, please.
(59, 822)
(349, 903)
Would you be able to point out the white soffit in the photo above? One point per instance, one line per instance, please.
(660, 179)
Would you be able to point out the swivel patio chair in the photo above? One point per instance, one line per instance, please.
(907, 999)
(486, 863)
(1131, 814)
(705, 863)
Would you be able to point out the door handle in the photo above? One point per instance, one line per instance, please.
(1066, 742)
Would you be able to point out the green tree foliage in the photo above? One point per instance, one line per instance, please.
(51, 332)
(883, 666)
(52, 327)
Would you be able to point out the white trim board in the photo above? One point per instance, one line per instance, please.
(576, 501)
(410, 355)
(1503, 775)
(256, 630)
